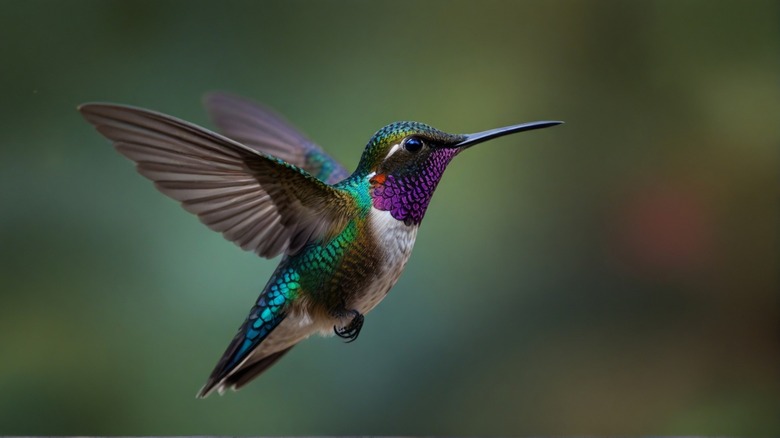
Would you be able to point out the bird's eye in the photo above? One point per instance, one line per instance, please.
(413, 144)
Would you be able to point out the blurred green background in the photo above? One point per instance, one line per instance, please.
(616, 275)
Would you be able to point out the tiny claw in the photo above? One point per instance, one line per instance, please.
(351, 330)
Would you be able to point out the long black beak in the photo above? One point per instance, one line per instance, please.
(479, 137)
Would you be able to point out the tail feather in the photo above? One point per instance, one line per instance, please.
(242, 375)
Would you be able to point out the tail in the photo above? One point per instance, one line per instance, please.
(241, 356)
(240, 375)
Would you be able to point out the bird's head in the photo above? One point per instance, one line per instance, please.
(405, 161)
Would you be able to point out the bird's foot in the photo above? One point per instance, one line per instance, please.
(350, 331)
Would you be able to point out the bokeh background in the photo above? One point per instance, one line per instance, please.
(616, 275)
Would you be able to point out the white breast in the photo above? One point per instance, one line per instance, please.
(396, 240)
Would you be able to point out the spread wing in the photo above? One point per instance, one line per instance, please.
(261, 203)
(262, 129)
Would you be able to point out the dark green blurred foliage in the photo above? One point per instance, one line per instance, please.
(616, 275)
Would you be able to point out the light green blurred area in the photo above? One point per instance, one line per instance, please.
(615, 275)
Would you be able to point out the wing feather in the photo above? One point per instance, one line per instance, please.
(259, 202)
(262, 129)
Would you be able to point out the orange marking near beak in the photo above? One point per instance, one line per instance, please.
(378, 179)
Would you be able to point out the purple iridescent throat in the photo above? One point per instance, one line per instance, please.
(406, 196)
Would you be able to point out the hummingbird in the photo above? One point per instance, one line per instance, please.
(344, 238)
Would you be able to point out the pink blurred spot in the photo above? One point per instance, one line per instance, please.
(665, 228)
